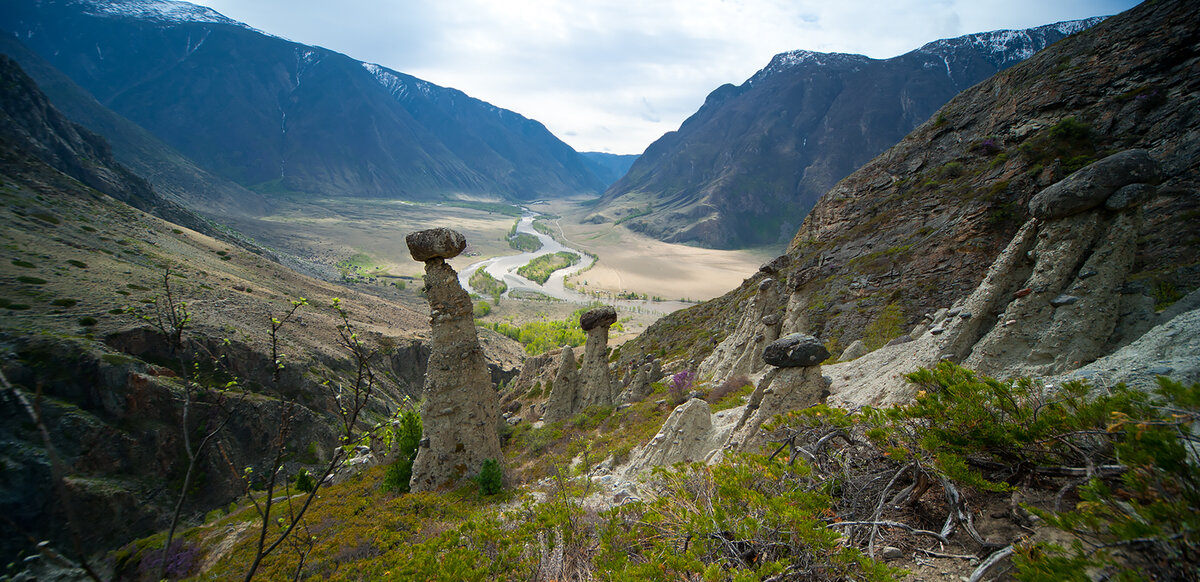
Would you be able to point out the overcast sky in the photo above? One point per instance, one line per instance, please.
(614, 75)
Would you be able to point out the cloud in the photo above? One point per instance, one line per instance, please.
(590, 69)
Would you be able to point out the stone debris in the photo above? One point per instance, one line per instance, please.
(460, 412)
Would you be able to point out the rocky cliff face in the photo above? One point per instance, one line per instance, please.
(917, 228)
(747, 167)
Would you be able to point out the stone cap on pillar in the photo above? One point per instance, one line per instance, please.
(435, 243)
(600, 316)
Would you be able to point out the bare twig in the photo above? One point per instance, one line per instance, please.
(991, 561)
(884, 523)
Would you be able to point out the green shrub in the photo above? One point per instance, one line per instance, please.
(305, 482)
(485, 284)
(31, 280)
(25, 264)
(88, 321)
(481, 309)
(78, 264)
(407, 433)
(490, 478)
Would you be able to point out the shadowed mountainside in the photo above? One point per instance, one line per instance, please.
(746, 168)
(276, 115)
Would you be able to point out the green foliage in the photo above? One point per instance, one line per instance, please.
(31, 280)
(749, 518)
(540, 268)
(1144, 524)
(1069, 140)
(1165, 294)
(305, 482)
(88, 321)
(485, 284)
(78, 264)
(408, 438)
(886, 325)
(541, 336)
(481, 309)
(24, 264)
(65, 302)
(525, 242)
(951, 170)
(490, 478)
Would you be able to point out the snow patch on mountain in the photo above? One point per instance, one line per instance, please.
(1007, 47)
(165, 11)
(791, 59)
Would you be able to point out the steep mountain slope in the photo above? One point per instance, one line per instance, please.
(747, 167)
(171, 174)
(608, 167)
(278, 115)
(917, 227)
(81, 276)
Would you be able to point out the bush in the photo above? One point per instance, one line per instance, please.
(679, 385)
(305, 481)
(490, 478)
(482, 309)
(407, 432)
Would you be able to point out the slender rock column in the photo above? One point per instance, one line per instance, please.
(596, 386)
(460, 412)
(564, 398)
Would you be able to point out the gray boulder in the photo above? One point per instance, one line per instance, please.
(1091, 186)
(795, 350)
(600, 316)
(435, 243)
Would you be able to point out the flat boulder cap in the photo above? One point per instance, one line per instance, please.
(435, 243)
(600, 316)
(795, 350)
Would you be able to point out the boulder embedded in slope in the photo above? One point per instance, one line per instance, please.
(1091, 186)
(795, 350)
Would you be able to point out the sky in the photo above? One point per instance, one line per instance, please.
(615, 75)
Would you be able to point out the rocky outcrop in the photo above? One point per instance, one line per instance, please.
(741, 353)
(1051, 301)
(1095, 185)
(596, 387)
(855, 350)
(564, 397)
(781, 390)
(795, 350)
(688, 435)
(460, 412)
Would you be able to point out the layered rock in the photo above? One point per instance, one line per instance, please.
(460, 411)
(595, 381)
(1051, 301)
(741, 353)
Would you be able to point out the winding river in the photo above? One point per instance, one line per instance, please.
(505, 269)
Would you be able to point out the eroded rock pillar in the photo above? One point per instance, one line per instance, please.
(596, 384)
(460, 412)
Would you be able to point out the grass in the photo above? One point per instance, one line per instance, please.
(540, 268)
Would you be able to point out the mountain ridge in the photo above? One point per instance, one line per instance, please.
(274, 115)
(749, 164)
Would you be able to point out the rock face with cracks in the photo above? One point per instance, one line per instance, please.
(742, 351)
(595, 383)
(461, 411)
(564, 398)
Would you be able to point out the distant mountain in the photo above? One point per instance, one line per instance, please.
(747, 167)
(608, 167)
(918, 227)
(172, 174)
(276, 115)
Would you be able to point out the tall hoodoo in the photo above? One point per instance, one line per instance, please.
(564, 398)
(461, 410)
(596, 384)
